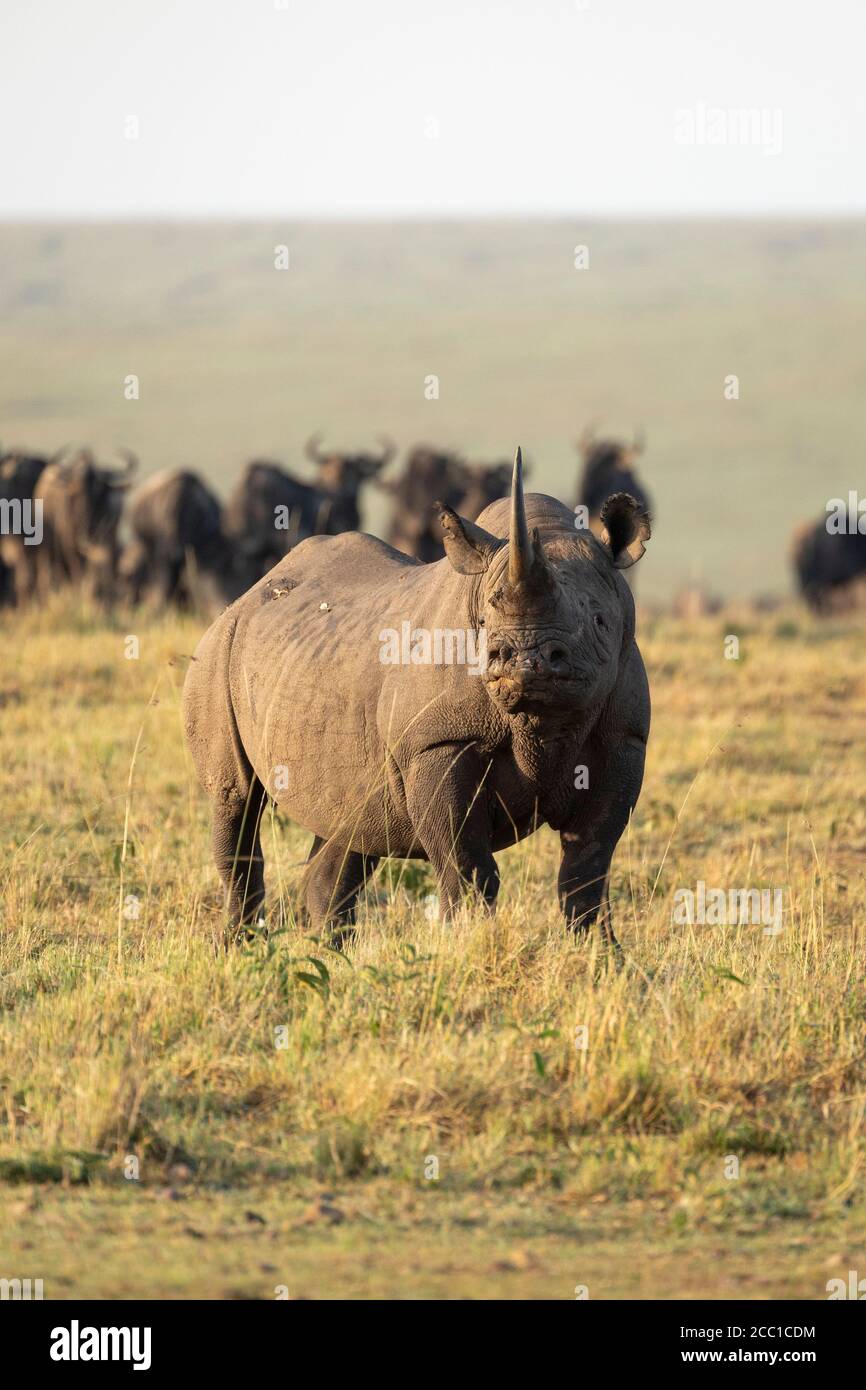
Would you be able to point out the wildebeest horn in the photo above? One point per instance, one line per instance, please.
(312, 450)
(389, 449)
(66, 449)
(586, 440)
(520, 549)
(130, 463)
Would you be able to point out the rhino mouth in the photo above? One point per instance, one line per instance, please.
(516, 695)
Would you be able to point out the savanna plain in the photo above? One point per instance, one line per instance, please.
(482, 1109)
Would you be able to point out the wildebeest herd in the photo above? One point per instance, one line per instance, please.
(173, 533)
(172, 539)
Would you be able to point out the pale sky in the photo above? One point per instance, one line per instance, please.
(382, 107)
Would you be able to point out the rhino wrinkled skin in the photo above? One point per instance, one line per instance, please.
(287, 698)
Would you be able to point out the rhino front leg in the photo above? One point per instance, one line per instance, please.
(583, 888)
(450, 810)
(593, 833)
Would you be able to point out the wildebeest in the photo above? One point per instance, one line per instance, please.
(20, 527)
(608, 468)
(486, 483)
(828, 562)
(177, 548)
(342, 475)
(432, 476)
(296, 693)
(82, 502)
(428, 475)
(269, 510)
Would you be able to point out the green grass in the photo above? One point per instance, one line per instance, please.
(130, 1042)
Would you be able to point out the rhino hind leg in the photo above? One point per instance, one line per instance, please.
(237, 851)
(334, 879)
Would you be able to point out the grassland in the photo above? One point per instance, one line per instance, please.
(282, 1120)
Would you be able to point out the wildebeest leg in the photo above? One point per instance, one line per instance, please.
(333, 881)
(25, 575)
(450, 811)
(166, 579)
(237, 850)
(47, 569)
(590, 838)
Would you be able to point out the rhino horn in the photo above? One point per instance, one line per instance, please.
(521, 552)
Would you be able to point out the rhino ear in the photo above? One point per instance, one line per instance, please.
(625, 528)
(468, 547)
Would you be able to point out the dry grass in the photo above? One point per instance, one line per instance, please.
(125, 1035)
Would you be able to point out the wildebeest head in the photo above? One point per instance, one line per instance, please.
(609, 466)
(593, 448)
(829, 564)
(429, 474)
(90, 496)
(19, 473)
(485, 483)
(556, 612)
(95, 491)
(344, 473)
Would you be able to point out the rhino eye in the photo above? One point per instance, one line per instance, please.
(599, 621)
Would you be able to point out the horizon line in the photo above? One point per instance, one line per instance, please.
(596, 215)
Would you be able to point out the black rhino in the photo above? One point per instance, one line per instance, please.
(290, 696)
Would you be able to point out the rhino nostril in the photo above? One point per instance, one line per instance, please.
(557, 656)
